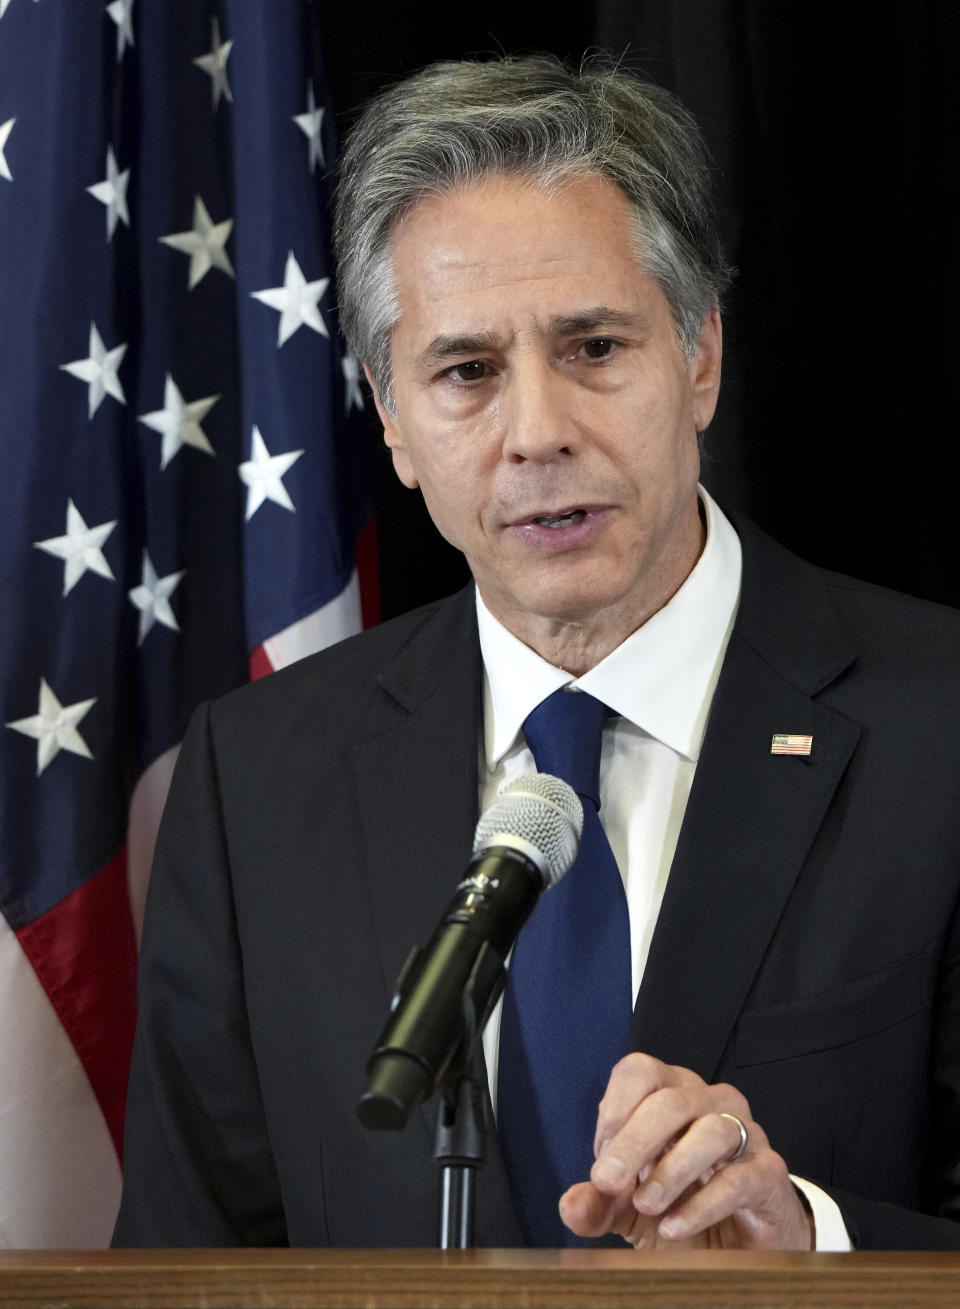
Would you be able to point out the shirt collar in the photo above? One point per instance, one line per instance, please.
(661, 678)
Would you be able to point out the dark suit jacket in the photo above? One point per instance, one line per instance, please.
(807, 950)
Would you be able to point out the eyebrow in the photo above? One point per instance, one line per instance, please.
(593, 319)
(442, 347)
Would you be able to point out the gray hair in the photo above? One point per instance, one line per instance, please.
(454, 123)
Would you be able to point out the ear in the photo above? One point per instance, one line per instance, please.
(704, 370)
(393, 437)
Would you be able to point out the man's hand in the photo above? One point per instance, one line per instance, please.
(665, 1176)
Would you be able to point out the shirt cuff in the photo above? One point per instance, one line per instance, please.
(831, 1231)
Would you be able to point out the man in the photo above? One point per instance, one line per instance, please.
(529, 269)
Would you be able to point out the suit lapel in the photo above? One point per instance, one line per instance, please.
(752, 815)
(416, 781)
(416, 785)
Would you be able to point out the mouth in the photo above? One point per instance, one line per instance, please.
(566, 519)
(565, 516)
(569, 527)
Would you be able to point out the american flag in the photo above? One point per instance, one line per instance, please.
(183, 498)
(790, 743)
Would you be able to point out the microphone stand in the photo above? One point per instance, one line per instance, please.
(459, 1150)
(398, 1080)
(460, 1142)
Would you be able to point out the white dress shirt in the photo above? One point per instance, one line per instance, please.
(660, 683)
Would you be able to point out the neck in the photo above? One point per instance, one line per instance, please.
(577, 646)
(578, 642)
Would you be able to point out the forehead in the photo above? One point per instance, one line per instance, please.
(504, 242)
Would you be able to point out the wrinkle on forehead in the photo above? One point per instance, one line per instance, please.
(539, 252)
(476, 267)
(482, 273)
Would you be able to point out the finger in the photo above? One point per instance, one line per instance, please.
(756, 1193)
(588, 1212)
(708, 1143)
(633, 1079)
(658, 1126)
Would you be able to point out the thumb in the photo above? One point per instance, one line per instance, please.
(587, 1212)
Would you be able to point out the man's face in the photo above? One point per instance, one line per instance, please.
(544, 406)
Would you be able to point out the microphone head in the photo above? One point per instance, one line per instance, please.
(539, 815)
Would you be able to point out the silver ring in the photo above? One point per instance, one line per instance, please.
(743, 1137)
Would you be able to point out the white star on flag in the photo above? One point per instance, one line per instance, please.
(204, 244)
(5, 130)
(99, 371)
(5, 5)
(310, 123)
(54, 727)
(263, 475)
(351, 382)
(152, 598)
(112, 192)
(79, 549)
(215, 64)
(178, 422)
(297, 301)
(121, 12)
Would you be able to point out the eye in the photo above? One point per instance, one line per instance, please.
(471, 370)
(598, 347)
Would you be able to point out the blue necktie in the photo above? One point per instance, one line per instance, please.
(567, 1003)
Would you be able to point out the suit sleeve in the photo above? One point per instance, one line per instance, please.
(198, 1168)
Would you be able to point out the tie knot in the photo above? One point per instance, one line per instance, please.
(564, 734)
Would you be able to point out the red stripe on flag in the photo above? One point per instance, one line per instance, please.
(84, 952)
(368, 575)
(259, 664)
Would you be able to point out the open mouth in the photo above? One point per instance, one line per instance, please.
(561, 520)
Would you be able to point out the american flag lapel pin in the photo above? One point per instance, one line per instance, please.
(791, 743)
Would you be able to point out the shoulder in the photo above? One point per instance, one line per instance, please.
(776, 577)
(863, 641)
(905, 620)
(358, 677)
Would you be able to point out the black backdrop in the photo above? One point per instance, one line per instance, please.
(834, 128)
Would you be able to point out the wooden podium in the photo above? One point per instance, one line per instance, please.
(474, 1279)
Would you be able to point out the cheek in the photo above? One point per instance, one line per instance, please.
(668, 437)
(445, 477)
(451, 489)
(457, 465)
(683, 453)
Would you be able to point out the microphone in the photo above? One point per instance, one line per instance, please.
(524, 843)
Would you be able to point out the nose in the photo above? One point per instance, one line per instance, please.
(539, 423)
